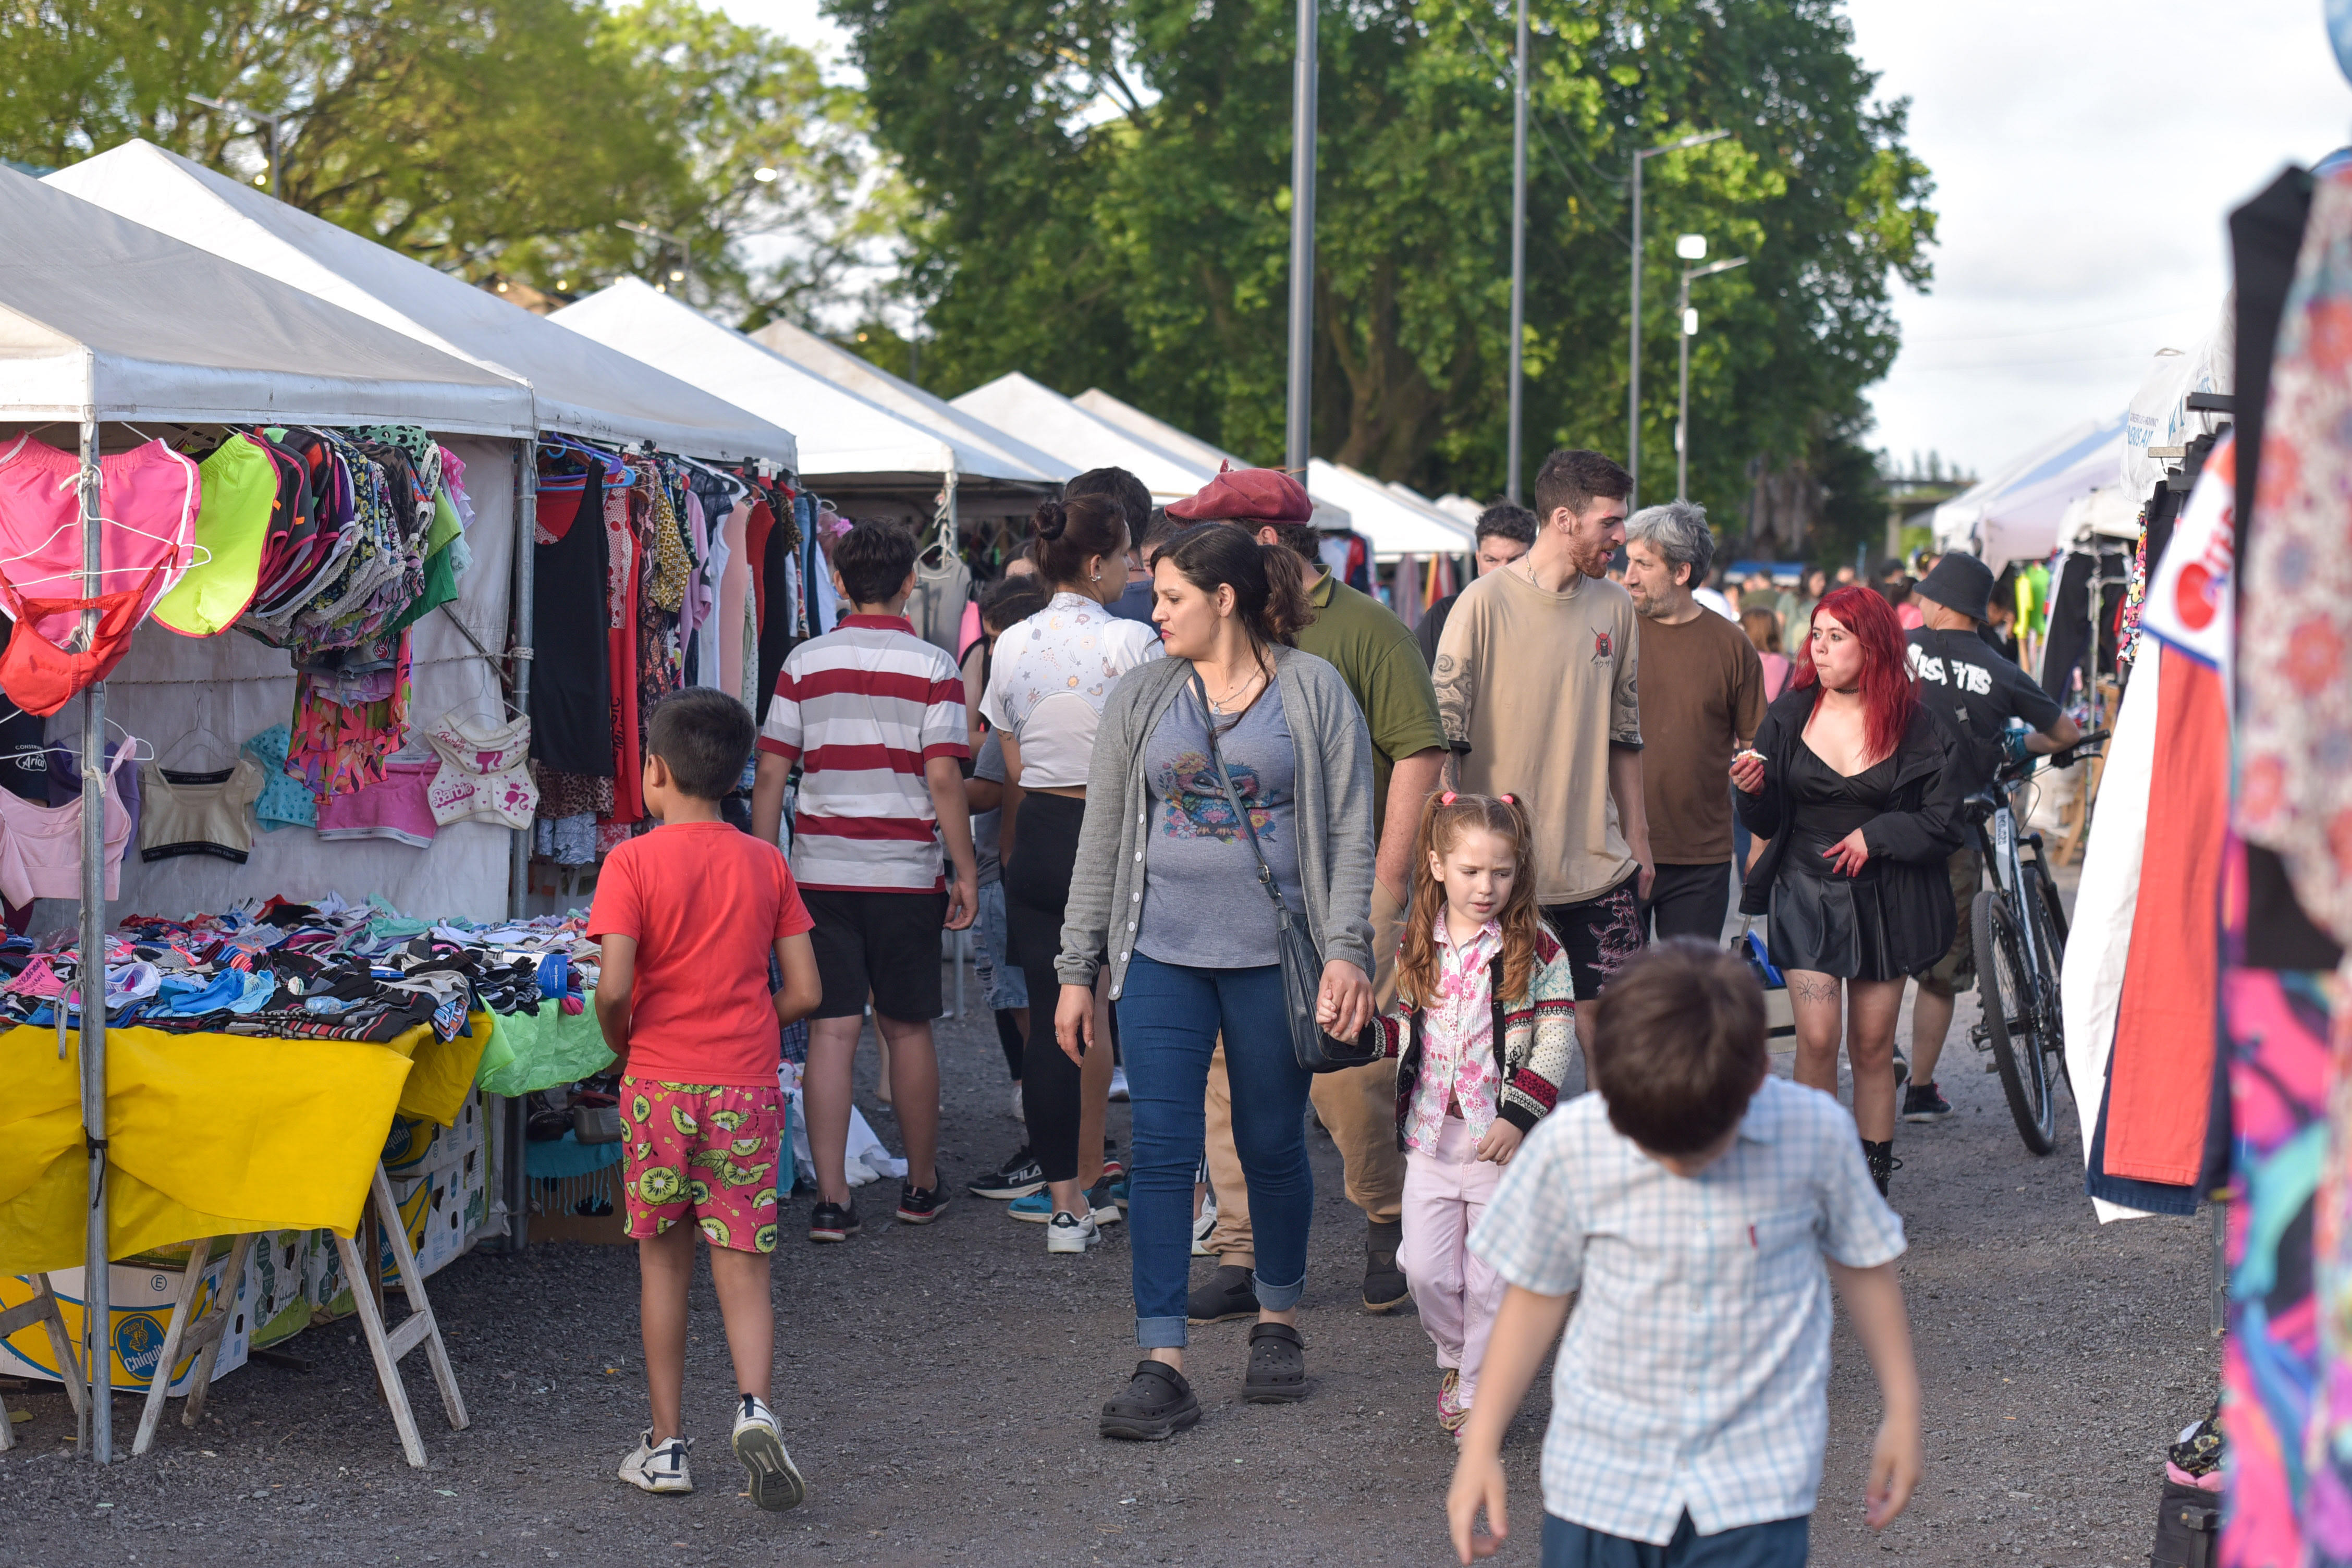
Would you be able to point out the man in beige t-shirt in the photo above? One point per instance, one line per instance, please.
(1536, 689)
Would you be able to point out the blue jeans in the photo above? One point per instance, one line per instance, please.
(1783, 1543)
(1169, 1016)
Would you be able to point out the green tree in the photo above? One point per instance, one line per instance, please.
(1102, 196)
(482, 136)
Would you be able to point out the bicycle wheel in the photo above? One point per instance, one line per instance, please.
(2011, 1026)
(2049, 936)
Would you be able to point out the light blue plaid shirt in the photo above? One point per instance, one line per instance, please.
(1695, 1371)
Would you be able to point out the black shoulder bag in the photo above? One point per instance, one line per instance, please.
(1302, 966)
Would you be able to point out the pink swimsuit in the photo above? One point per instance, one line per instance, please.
(40, 846)
(152, 492)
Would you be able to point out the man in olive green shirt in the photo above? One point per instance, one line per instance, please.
(1376, 654)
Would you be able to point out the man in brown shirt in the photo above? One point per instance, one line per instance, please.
(1702, 698)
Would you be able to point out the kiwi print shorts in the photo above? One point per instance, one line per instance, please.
(708, 1152)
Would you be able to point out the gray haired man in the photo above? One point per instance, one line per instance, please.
(1702, 698)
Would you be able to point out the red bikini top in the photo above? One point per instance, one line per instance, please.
(38, 676)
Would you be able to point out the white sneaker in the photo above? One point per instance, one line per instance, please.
(659, 1469)
(1018, 1113)
(1203, 1226)
(759, 1444)
(1118, 1083)
(1070, 1233)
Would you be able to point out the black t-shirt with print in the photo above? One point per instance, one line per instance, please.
(1960, 674)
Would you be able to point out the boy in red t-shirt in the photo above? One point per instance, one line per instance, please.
(688, 915)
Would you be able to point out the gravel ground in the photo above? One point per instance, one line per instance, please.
(939, 1388)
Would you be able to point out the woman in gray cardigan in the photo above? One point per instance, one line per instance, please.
(1166, 889)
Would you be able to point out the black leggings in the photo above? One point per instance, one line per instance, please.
(1036, 886)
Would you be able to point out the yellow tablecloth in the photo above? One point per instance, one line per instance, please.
(209, 1134)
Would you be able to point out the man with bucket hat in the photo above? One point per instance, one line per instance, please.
(1975, 691)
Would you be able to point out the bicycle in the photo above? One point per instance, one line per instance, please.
(2020, 932)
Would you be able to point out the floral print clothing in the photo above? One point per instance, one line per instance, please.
(1049, 678)
(1458, 1071)
(708, 1152)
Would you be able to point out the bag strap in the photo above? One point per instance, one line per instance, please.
(1232, 797)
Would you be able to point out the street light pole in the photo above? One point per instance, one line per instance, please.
(1687, 319)
(1295, 433)
(1633, 359)
(1518, 255)
(272, 121)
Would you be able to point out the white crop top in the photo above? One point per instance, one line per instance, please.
(1050, 676)
(485, 774)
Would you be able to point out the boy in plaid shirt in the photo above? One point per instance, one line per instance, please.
(1692, 1203)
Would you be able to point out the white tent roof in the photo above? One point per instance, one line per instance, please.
(99, 313)
(2108, 512)
(1462, 510)
(2015, 514)
(1328, 514)
(983, 451)
(842, 438)
(1051, 422)
(1396, 524)
(577, 387)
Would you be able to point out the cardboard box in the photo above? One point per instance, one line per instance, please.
(141, 1302)
(276, 1304)
(441, 1210)
(417, 1145)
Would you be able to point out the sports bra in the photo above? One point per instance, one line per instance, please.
(485, 774)
(395, 808)
(40, 675)
(40, 846)
(198, 814)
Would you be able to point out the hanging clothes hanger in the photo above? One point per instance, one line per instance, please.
(493, 689)
(202, 731)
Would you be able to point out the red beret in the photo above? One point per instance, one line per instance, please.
(1246, 495)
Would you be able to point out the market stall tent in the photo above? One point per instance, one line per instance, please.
(1330, 515)
(2015, 515)
(846, 443)
(1054, 424)
(995, 454)
(578, 386)
(1394, 524)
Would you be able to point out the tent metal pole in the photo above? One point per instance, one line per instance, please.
(519, 647)
(97, 1316)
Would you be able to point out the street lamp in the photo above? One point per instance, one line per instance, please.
(1295, 432)
(1518, 253)
(1634, 375)
(271, 121)
(1690, 248)
(685, 250)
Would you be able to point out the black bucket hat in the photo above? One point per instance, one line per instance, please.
(1960, 583)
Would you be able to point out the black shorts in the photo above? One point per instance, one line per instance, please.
(1599, 933)
(886, 944)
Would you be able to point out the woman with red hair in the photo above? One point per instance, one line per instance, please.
(1857, 788)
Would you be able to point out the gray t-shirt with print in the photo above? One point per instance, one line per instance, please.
(1204, 905)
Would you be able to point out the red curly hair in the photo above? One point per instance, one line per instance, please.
(1890, 692)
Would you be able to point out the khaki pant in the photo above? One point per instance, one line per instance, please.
(1357, 1107)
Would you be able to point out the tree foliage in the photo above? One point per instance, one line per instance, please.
(1102, 198)
(482, 136)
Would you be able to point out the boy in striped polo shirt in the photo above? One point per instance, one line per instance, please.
(875, 716)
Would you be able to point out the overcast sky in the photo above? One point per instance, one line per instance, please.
(2085, 156)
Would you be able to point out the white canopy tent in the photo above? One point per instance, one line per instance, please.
(991, 453)
(103, 321)
(2015, 515)
(1462, 510)
(1328, 514)
(1053, 423)
(845, 441)
(1395, 524)
(2108, 512)
(578, 386)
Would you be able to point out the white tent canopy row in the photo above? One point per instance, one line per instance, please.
(1083, 439)
(846, 440)
(103, 318)
(576, 386)
(2017, 513)
(1329, 514)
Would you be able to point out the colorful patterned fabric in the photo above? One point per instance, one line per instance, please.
(2294, 686)
(707, 1150)
(1458, 1033)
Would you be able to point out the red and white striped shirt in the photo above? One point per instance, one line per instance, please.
(864, 707)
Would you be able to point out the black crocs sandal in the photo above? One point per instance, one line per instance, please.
(1278, 1366)
(1155, 1406)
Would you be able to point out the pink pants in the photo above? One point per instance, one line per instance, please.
(1456, 1294)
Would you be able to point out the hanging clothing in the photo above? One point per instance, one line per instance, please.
(396, 808)
(571, 703)
(241, 515)
(148, 498)
(199, 813)
(482, 776)
(41, 677)
(283, 803)
(40, 846)
(626, 553)
(339, 748)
